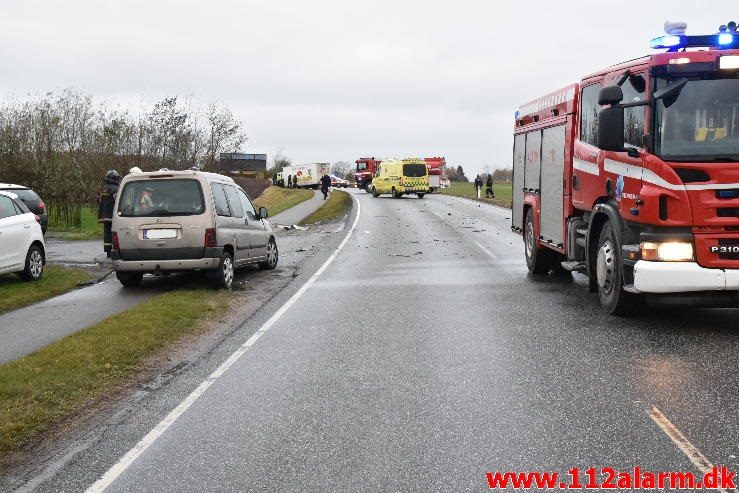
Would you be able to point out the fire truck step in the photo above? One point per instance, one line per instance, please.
(574, 266)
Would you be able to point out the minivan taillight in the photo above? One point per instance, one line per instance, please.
(210, 238)
(42, 207)
(116, 245)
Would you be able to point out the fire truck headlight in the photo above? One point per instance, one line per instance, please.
(729, 62)
(670, 251)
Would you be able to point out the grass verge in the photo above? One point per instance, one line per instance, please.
(278, 199)
(16, 293)
(503, 192)
(57, 381)
(90, 228)
(334, 208)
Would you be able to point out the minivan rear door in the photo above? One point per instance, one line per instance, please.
(258, 236)
(239, 224)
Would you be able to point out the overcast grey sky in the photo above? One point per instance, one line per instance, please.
(336, 80)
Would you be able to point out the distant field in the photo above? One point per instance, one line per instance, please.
(503, 192)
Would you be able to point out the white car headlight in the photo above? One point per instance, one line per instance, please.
(669, 251)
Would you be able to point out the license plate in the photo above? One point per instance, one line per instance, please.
(160, 234)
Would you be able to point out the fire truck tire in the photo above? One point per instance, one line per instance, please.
(538, 260)
(374, 192)
(609, 275)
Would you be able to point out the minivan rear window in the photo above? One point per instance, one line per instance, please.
(161, 197)
(414, 170)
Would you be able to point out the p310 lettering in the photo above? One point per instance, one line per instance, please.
(725, 249)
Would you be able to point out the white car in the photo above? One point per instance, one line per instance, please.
(22, 247)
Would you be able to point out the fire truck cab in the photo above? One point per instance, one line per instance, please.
(366, 169)
(631, 175)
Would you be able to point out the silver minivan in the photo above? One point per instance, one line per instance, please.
(175, 221)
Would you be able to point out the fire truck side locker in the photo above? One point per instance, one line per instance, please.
(519, 150)
(552, 186)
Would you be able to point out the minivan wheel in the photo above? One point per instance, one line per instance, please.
(225, 273)
(129, 279)
(34, 267)
(374, 192)
(272, 256)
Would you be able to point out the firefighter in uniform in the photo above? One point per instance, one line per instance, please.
(325, 184)
(489, 193)
(106, 202)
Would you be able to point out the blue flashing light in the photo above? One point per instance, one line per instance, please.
(666, 42)
(725, 39)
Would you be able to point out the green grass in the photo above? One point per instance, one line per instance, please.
(16, 293)
(90, 229)
(503, 192)
(278, 199)
(334, 208)
(59, 380)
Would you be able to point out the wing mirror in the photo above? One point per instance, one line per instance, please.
(263, 213)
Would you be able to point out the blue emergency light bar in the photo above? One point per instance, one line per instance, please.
(725, 40)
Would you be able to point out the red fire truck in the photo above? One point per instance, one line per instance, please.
(437, 172)
(631, 175)
(366, 167)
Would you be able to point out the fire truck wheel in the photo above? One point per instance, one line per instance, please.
(609, 275)
(538, 260)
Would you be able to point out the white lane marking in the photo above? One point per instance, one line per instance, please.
(125, 462)
(488, 252)
(696, 457)
(586, 167)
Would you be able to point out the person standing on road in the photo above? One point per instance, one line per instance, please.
(289, 181)
(489, 190)
(478, 185)
(325, 184)
(106, 202)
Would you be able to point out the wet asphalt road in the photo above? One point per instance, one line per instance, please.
(425, 356)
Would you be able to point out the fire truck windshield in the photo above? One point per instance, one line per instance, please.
(701, 123)
(361, 166)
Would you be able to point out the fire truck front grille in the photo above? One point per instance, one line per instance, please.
(731, 193)
(727, 212)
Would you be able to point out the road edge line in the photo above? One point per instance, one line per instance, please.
(130, 457)
(695, 456)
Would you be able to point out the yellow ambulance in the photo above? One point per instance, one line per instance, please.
(400, 177)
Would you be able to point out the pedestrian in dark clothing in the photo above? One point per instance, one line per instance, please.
(289, 181)
(478, 185)
(325, 184)
(106, 203)
(489, 190)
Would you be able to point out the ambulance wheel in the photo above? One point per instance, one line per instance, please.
(609, 275)
(396, 194)
(374, 192)
(420, 195)
(538, 260)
